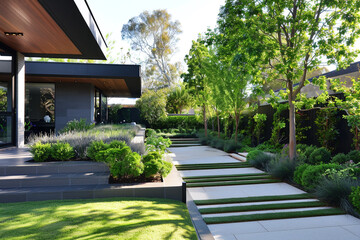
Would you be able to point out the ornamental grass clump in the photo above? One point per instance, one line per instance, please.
(282, 167)
(259, 159)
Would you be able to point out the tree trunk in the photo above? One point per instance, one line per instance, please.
(237, 117)
(205, 120)
(218, 123)
(357, 139)
(292, 135)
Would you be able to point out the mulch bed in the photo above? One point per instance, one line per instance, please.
(140, 179)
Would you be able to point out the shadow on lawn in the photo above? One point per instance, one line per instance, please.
(97, 219)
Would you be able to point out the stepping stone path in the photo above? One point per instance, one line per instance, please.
(239, 202)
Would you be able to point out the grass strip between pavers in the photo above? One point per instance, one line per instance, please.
(244, 182)
(227, 179)
(231, 175)
(272, 216)
(261, 207)
(254, 199)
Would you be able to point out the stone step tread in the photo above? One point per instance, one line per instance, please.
(58, 175)
(50, 189)
(25, 181)
(53, 168)
(184, 139)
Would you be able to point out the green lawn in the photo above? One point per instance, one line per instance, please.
(115, 218)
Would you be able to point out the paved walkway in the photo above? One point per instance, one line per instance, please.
(321, 228)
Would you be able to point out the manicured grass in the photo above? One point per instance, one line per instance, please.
(271, 216)
(261, 207)
(233, 175)
(227, 179)
(253, 199)
(240, 182)
(116, 218)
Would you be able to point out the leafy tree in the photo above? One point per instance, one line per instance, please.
(152, 106)
(178, 99)
(287, 38)
(196, 78)
(154, 35)
(228, 86)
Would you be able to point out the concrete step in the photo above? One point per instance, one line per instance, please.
(52, 180)
(54, 168)
(185, 145)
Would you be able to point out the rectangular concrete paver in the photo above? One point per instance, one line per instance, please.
(203, 160)
(310, 222)
(252, 190)
(226, 171)
(326, 233)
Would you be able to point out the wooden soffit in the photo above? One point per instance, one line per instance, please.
(48, 28)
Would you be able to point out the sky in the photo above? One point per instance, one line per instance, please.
(195, 16)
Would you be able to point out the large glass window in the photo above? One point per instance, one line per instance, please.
(6, 115)
(39, 107)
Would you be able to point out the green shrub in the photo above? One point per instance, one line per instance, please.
(314, 173)
(354, 156)
(61, 151)
(40, 152)
(335, 191)
(259, 159)
(253, 154)
(282, 168)
(340, 158)
(355, 197)
(150, 156)
(309, 150)
(95, 147)
(166, 168)
(157, 144)
(117, 144)
(299, 171)
(153, 164)
(320, 155)
(77, 126)
(131, 165)
(114, 154)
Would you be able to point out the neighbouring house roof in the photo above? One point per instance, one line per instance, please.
(50, 28)
(114, 80)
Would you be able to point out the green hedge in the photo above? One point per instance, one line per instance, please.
(187, 122)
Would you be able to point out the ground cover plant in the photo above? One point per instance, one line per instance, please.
(116, 218)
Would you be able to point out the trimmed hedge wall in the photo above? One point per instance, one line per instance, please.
(188, 122)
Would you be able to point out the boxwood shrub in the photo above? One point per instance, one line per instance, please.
(320, 155)
(61, 151)
(314, 173)
(340, 158)
(354, 156)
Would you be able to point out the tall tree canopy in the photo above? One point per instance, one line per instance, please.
(155, 35)
(287, 38)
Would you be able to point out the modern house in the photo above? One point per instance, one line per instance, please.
(50, 94)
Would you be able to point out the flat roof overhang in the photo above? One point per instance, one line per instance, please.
(51, 28)
(114, 80)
